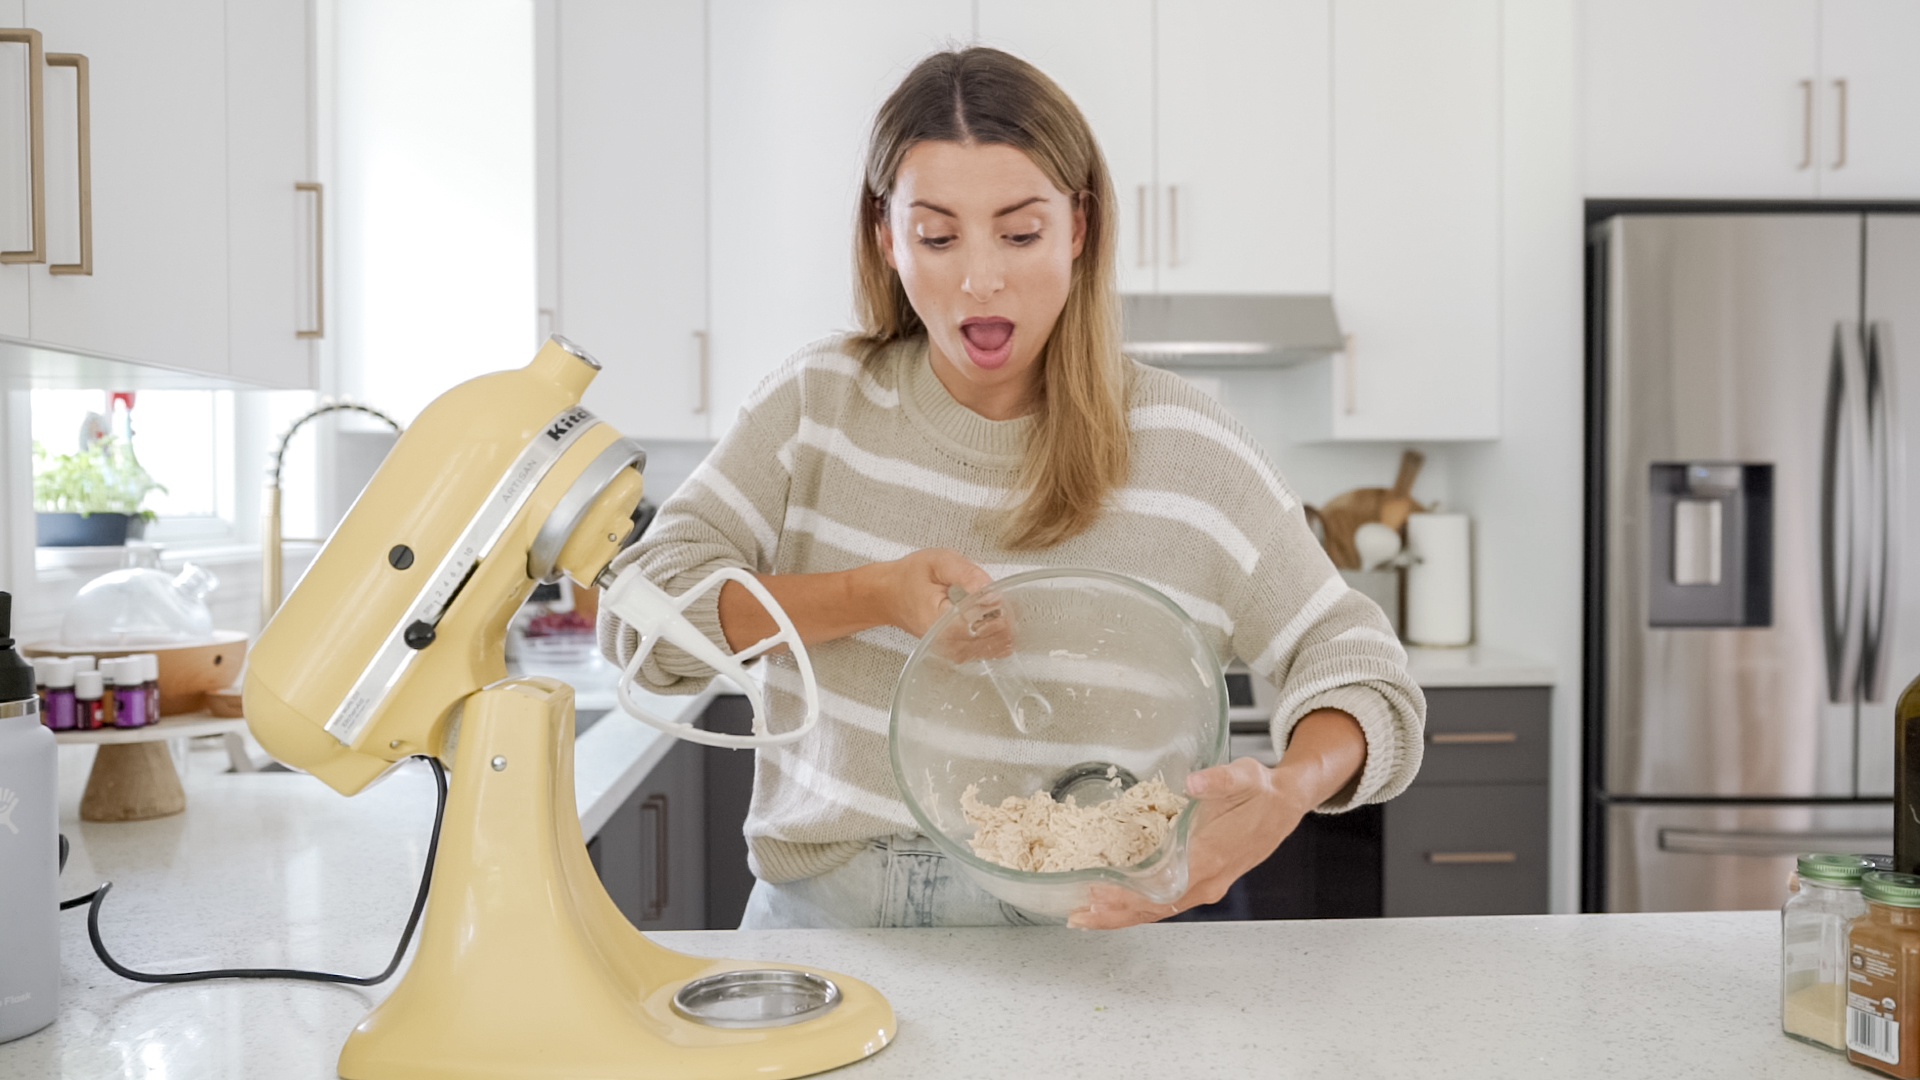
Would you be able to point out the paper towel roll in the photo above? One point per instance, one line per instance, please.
(1439, 583)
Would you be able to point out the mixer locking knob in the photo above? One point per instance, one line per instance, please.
(419, 635)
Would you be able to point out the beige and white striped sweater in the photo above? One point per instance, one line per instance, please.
(834, 463)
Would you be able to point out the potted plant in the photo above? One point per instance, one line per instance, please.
(91, 498)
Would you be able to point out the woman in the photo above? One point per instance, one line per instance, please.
(983, 422)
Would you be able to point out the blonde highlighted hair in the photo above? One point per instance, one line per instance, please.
(1077, 453)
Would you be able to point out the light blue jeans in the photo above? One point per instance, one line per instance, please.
(895, 881)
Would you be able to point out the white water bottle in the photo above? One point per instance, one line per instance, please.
(29, 849)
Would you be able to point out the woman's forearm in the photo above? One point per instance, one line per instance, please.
(822, 607)
(1324, 758)
(908, 592)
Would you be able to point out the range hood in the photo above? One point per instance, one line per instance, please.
(1202, 330)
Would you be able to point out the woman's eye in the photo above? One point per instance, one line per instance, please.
(937, 243)
(1023, 239)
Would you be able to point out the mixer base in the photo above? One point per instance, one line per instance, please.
(527, 969)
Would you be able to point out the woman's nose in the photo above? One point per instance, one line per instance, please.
(984, 275)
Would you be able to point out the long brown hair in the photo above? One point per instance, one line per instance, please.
(1077, 453)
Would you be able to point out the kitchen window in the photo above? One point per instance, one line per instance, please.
(206, 447)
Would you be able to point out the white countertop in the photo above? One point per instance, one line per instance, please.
(1475, 665)
(275, 869)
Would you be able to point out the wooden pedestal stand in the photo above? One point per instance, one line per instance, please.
(133, 778)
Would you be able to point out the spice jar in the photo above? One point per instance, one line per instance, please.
(1813, 949)
(1883, 977)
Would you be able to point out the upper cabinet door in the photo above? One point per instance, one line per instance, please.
(1870, 99)
(158, 194)
(16, 173)
(1416, 218)
(272, 225)
(631, 213)
(792, 89)
(1704, 98)
(1101, 54)
(1244, 146)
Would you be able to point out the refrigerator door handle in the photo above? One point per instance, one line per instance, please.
(1765, 843)
(1842, 535)
(1884, 502)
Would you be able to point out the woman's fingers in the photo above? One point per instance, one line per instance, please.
(1237, 779)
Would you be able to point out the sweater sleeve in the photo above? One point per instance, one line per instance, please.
(1326, 646)
(728, 514)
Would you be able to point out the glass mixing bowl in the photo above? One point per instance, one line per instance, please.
(1059, 681)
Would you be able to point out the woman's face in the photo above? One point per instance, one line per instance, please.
(984, 244)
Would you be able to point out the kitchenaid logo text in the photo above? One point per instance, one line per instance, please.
(566, 422)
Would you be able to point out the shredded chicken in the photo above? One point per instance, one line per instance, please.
(1038, 834)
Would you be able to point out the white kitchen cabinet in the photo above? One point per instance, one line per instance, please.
(629, 220)
(1213, 115)
(16, 202)
(1870, 97)
(158, 288)
(1791, 99)
(1244, 139)
(1101, 54)
(792, 89)
(274, 310)
(1416, 227)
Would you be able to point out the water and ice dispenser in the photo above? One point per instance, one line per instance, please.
(1711, 544)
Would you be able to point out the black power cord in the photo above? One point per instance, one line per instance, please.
(98, 896)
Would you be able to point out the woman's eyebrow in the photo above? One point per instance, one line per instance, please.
(1002, 212)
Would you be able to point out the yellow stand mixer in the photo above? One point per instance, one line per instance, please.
(393, 645)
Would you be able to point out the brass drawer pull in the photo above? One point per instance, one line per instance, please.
(1456, 858)
(1471, 738)
(36, 148)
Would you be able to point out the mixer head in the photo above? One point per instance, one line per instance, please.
(502, 482)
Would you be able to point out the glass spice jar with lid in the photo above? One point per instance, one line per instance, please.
(1883, 976)
(1813, 947)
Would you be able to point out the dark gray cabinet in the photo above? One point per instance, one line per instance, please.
(651, 854)
(1470, 836)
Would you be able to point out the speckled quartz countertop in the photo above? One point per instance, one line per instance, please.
(275, 869)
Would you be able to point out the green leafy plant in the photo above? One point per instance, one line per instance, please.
(103, 477)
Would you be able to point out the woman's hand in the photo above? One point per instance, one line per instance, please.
(912, 592)
(1246, 810)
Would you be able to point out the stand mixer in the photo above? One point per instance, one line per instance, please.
(393, 646)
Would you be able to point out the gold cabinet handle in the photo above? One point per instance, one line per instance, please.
(1143, 199)
(79, 65)
(1806, 123)
(1464, 738)
(1840, 155)
(1173, 225)
(1463, 858)
(1350, 375)
(36, 146)
(319, 260)
(706, 374)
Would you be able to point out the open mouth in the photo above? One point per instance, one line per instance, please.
(989, 340)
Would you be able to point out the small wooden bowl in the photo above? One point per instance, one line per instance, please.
(187, 672)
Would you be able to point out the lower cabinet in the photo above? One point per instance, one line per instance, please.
(1469, 837)
(651, 854)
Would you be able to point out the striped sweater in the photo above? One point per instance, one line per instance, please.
(834, 463)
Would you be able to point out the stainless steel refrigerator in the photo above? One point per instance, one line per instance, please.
(1753, 586)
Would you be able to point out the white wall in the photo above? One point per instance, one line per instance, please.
(434, 167)
(1525, 491)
